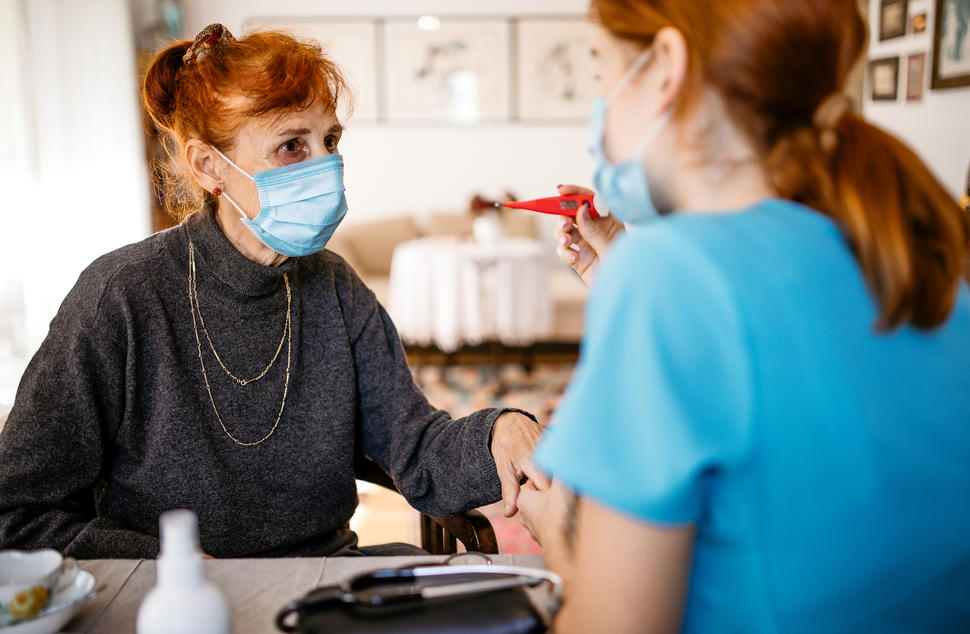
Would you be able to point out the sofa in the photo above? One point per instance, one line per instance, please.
(369, 247)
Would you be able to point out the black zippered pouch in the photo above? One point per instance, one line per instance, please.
(425, 600)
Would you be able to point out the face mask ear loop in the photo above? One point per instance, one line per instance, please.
(228, 160)
(652, 133)
(226, 196)
(241, 171)
(641, 61)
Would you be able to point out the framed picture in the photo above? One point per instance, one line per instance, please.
(915, 74)
(951, 44)
(352, 44)
(884, 79)
(917, 23)
(555, 78)
(454, 70)
(892, 18)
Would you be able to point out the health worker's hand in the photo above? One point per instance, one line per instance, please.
(513, 438)
(548, 516)
(590, 237)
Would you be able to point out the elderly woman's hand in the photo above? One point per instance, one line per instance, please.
(513, 438)
(590, 237)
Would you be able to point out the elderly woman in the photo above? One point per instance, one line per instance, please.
(231, 365)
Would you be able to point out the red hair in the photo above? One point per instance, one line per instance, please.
(263, 73)
(774, 63)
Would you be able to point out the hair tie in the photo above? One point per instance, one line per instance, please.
(207, 38)
(827, 117)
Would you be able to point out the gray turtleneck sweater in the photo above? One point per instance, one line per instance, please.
(113, 425)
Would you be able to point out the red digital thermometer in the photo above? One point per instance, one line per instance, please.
(557, 205)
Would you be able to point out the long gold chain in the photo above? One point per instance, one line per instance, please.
(287, 334)
(212, 347)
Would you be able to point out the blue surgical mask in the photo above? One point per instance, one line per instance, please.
(623, 185)
(300, 205)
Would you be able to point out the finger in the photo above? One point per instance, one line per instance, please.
(566, 190)
(567, 255)
(570, 237)
(564, 228)
(591, 230)
(537, 478)
(509, 482)
(575, 237)
(530, 501)
(570, 242)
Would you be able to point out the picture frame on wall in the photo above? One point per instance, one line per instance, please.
(893, 16)
(884, 79)
(951, 45)
(555, 75)
(915, 76)
(457, 72)
(352, 44)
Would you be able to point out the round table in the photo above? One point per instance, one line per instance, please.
(448, 293)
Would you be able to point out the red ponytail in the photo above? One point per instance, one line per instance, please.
(211, 97)
(776, 65)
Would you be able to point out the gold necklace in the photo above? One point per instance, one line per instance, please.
(212, 347)
(287, 335)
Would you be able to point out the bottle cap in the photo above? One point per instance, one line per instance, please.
(180, 560)
(180, 532)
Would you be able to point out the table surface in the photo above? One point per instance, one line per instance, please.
(254, 588)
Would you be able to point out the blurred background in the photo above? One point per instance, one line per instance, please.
(460, 103)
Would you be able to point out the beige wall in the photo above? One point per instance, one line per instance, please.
(938, 127)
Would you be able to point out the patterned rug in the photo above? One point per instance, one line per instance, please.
(464, 389)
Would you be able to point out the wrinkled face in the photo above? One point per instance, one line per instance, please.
(268, 142)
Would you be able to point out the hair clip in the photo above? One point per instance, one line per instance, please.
(207, 38)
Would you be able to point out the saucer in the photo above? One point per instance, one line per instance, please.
(62, 608)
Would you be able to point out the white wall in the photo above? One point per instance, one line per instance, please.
(938, 127)
(421, 168)
(424, 168)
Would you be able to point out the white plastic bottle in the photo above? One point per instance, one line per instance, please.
(182, 602)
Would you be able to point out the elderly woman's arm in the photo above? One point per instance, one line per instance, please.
(441, 465)
(54, 446)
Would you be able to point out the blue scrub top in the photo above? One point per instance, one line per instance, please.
(731, 377)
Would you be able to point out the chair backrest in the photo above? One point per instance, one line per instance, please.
(367, 470)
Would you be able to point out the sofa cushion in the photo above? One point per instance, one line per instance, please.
(519, 224)
(370, 245)
(341, 246)
(449, 224)
(380, 285)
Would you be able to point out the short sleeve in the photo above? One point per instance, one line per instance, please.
(661, 397)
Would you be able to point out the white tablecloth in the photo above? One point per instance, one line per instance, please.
(451, 293)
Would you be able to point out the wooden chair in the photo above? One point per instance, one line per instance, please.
(439, 535)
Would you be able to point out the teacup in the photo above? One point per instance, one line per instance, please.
(28, 579)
